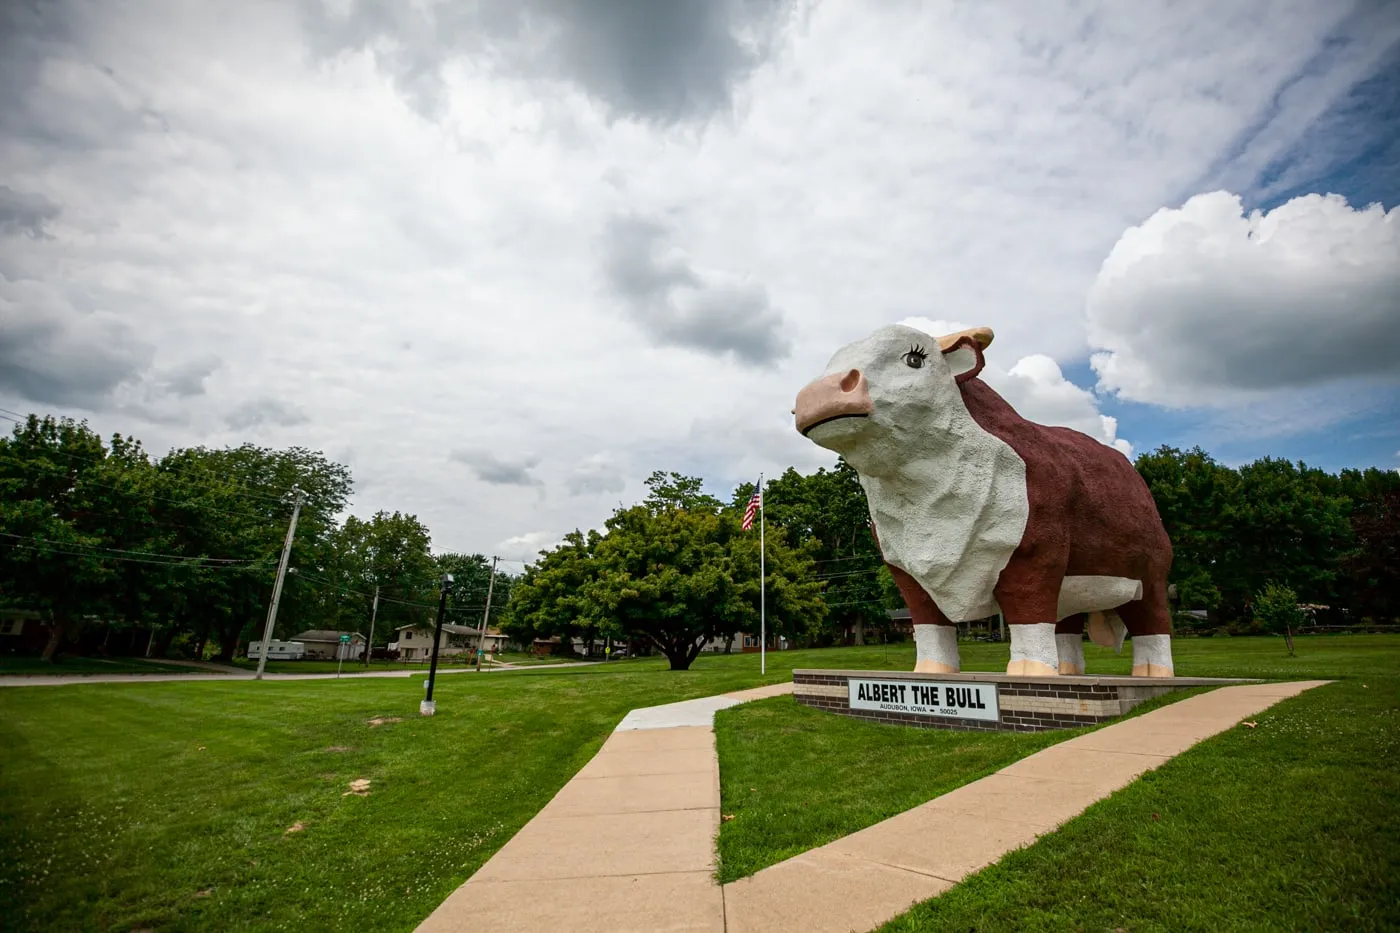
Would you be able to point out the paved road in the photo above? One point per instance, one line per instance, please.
(230, 673)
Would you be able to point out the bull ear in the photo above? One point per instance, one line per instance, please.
(964, 358)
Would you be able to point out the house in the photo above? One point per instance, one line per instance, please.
(22, 631)
(324, 644)
(902, 625)
(745, 641)
(416, 641)
(750, 642)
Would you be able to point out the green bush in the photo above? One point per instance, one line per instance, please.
(1276, 610)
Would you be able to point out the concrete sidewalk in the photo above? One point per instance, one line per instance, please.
(629, 843)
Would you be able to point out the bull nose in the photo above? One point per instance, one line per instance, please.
(838, 395)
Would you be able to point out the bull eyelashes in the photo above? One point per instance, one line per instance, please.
(914, 359)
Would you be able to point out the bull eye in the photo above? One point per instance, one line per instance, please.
(915, 358)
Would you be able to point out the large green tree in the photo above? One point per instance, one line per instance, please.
(552, 598)
(74, 521)
(1191, 491)
(1284, 528)
(389, 552)
(672, 572)
(238, 502)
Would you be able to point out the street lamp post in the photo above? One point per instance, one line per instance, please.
(428, 707)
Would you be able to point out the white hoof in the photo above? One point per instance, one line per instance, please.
(1034, 652)
(1152, 656)
(1071, 649)
(936, 649)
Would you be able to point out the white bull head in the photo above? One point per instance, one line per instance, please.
(891, 395)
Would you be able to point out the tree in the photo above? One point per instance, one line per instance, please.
(676, 578)
(1283, 528)
(1276, 608)
(672, 572)
(74, 516)
(471, 584)
(550, 598)
(391, 552)
(1191, 489)
(247, 491)
(1371, 572)
(676, 491)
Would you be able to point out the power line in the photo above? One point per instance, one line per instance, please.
(51, 550)
(340, 588)
(117, 550)
(849, 573)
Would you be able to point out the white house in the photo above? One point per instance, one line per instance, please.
(416, 641)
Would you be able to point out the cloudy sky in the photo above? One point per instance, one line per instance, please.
(506, 257)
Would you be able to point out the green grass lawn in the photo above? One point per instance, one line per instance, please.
(166, 805)
(794, 778)
(12, 664)
(1292, 825)
(519, 658)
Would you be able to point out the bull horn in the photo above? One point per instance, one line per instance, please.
(983, 336)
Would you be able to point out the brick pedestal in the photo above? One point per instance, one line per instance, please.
(1025, 704)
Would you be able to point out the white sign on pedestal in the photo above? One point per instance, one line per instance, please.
(921, 698)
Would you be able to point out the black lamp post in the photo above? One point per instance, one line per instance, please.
(428, 707)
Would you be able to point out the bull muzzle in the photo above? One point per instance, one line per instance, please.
(839, 395)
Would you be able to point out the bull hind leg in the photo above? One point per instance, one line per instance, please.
(1149, 622)
(1069, 641)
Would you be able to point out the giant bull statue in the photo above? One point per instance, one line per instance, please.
(977, 510)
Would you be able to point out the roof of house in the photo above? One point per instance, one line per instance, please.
(452, 628)
(326, 635)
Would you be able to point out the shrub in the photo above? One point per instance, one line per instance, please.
(1276, 609)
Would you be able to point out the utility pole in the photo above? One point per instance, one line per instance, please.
(481, 635)
(277, 587)
(373, 612)
(428, 707)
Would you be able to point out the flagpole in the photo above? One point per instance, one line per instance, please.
(762, 588)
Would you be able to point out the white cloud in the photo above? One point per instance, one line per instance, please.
(1037, 389)
(496, 470)
(526, 547)
(255, 414)
(1208, 305)
(386, 232)
(596, 475)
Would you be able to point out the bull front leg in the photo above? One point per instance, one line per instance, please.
(1028, 602)
(935, 635)
(936, 648)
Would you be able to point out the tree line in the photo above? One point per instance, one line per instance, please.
(184, 548)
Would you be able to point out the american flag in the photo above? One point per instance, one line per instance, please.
(754, 504)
